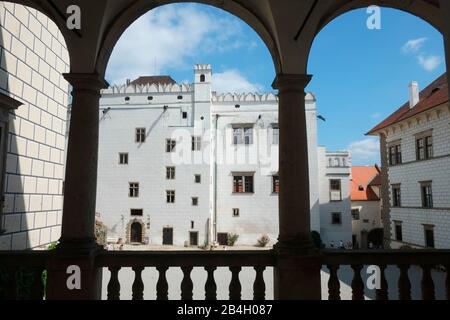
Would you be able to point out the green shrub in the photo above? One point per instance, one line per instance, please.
(232, 239)
(317, 240)
(263, 241)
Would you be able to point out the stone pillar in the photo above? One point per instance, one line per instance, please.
(297, 271)
(77, 244)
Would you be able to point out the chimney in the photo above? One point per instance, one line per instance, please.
(414, 92)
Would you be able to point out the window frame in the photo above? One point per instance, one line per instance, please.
(171, 145)
(246, 178)
(194, 201)
(139, 135)
(126, 157)
(396, 190)
(136, 215)
(398, 229)
(335, 190)
(426, 229)
(276, 184)
(170, 173)
(424, 145)
(426, 192)
(336, 214)
(170, 196)
(133, 189)
(240, 134)
(196, 143)
(236, 212)
(395, 153)
(199, 176)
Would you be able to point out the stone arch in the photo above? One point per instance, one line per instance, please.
(130, 14)
(129, 229)
(427, 10)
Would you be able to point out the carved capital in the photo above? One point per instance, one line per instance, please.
(291, 82)
(86, 81)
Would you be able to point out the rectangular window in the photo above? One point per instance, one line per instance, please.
(196, 143)
(335, 190)
(242, 135)
(134, 190)
(395, 154)
(424, 147)
(396, 195)
(195, 201)
(429, 236)
(398, 231)
(123, 158)
(276, 135)
(137, 212)
(355, 214)
(170, 145)
(427, 194)
(140, 135)
(276, 184)
(198, 178)
(243, 183)
(336, 218)
(170, 173)
(170, 196)
(236, 212)
(184, 115)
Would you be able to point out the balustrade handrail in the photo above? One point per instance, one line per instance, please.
(386, 257)
(23, 258)
(248, 258)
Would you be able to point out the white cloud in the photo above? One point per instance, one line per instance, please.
(376, 115)
(234, 82)
(429, 63)
(168, 38)
(365, 152)
(414, 45)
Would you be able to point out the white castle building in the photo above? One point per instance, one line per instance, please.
(180, 164)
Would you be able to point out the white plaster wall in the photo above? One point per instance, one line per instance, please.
(411, 172)
(328, 231)
(33, 57)
(368, 210)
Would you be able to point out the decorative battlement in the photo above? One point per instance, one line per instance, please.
(152, 88)
(202, 67)
(251, 97)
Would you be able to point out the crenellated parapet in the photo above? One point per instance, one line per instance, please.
(149, 88)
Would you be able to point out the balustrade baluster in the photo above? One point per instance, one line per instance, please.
(138, 285)
(37, 290)
(186, 285)
(334, 286)
(114, 284)
(404, 285)
(162, 287)
(259, 286)
(427, 283)
(235, 285)
(357, 283)
(382, 293)
(210, 285)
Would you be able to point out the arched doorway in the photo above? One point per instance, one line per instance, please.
(136, 233)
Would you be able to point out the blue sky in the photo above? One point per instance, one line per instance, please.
(360, 76)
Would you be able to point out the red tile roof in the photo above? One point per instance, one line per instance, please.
(153, 80)
(362, 178)
(432, 96)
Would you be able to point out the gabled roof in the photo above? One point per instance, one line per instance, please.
(432, 96)
(362, 179)
(153, 80)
